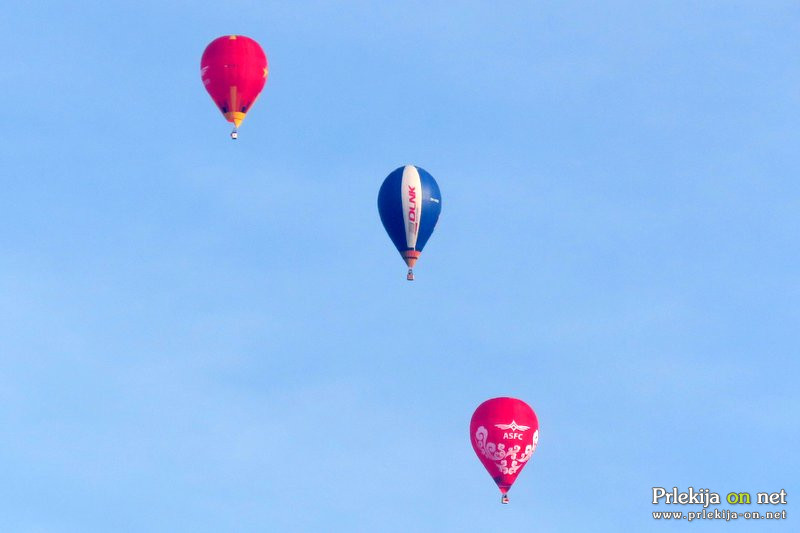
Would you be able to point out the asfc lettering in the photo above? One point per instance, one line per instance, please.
(507, 436)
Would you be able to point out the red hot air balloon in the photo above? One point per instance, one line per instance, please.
(234, 70)
(504, 433)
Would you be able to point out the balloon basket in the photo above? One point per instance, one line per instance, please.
(410, 275)
(504, 499)
(235, 134)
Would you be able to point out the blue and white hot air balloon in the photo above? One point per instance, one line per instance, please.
(409, 203)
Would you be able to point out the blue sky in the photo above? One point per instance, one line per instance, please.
(205, 335)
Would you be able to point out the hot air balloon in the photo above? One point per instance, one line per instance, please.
(504, 434)
(409, 203)
(234, 70)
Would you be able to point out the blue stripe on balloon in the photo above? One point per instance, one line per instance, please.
(430, 208)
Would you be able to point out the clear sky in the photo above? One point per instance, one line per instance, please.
(204, 335)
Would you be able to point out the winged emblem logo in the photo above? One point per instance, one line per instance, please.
(513, 426)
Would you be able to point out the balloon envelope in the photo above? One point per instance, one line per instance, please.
(409, 203)
(234, 70)
(504, 434)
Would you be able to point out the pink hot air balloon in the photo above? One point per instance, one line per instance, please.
(234, 70)
(504, 433)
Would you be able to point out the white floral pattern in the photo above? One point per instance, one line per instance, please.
(502, 456)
